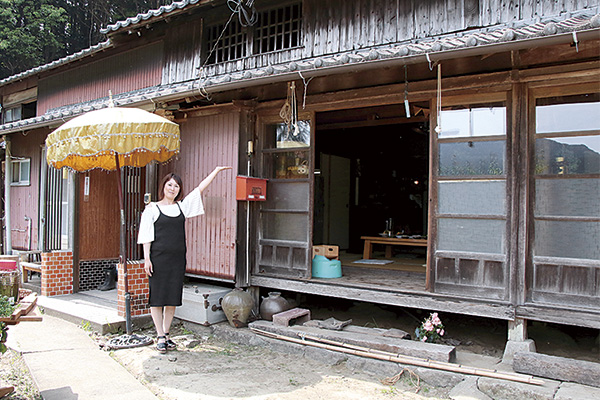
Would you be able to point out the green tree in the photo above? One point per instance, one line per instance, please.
(31, 32)
(36, 32)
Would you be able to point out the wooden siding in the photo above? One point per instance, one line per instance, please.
(24, 199)
(182, 49)
(98, 217)
(207, 142)
(131, 70)
(336, 26)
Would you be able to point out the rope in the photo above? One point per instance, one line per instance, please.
(246, 12)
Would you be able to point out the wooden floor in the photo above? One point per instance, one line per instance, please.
(405, 273)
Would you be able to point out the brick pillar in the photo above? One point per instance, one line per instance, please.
(57, 273)
(138, 289)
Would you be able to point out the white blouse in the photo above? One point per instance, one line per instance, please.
(191, 206)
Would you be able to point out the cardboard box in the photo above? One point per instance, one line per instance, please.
(328, 250)
(202, 304)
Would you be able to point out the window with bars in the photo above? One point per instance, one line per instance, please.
(226, 41)
(278, 29)
(275, 29)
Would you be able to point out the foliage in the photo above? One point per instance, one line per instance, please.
(431, 330)
(6, 309)
(36, 32)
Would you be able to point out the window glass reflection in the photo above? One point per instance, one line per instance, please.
(568, 155)
(282, 136)
(472, 158)
(473, 122)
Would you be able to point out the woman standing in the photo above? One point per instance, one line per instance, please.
(162, 233)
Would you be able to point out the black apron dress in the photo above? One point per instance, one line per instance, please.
(168, 257)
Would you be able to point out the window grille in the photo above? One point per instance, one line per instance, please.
(230, 45)
(133, 182)
(278, 29)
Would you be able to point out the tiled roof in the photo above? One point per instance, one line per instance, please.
(430, 49)
(143, 17)
(65, 60)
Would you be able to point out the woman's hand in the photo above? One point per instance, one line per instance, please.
(148, 267)
(204, 184)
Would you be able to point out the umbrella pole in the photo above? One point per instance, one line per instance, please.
(123, 249)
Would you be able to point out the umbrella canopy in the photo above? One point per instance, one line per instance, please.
(92, 140)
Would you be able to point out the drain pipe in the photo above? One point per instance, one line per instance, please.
(7, 182)
(28, 232)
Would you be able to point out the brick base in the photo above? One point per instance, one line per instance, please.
(57, 273)
(139, 289)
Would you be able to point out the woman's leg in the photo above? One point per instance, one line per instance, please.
(168, 318)
(157, 317)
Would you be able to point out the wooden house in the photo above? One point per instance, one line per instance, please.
(473, 125)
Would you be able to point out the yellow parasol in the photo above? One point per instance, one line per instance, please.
(100, 139)
(108, 139)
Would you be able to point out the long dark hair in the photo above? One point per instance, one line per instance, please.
(167, 178)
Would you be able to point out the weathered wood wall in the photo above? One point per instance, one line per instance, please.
(335, 26)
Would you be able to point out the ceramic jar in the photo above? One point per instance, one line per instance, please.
(272, 305)
(237, 306)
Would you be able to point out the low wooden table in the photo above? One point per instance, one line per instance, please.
(388, 242)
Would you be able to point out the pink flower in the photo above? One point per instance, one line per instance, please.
(424, 339)
(428, 326)
(435, 319)
(441, 332)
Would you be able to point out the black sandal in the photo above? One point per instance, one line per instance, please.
(170, 344)
(161, 346)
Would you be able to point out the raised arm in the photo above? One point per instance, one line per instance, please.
(204, 184)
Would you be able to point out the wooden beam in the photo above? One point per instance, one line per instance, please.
(421, 300)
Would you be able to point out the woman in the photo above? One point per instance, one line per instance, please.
(162, 233)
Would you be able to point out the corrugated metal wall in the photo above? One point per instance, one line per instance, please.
(207, 142)
(24, 199)
(135, 69)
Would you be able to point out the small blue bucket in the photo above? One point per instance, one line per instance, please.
(322, 267)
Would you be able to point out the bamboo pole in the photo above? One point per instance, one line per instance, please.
(386, 356)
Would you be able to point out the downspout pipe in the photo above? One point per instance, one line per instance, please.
(7, 182)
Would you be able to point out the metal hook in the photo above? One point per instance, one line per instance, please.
(575, 41)
(429, 61)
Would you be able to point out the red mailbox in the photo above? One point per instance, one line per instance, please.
(251, 189)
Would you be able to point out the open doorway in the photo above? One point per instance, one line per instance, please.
(371, 179)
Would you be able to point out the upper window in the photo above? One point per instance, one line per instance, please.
(20, 172)
(567, 135)
(17, 113)
(274, 29)
(472, 140)
(12, 114)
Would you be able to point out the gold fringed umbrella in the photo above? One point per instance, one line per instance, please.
(110, 138)
(93, 140)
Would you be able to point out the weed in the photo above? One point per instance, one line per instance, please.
(391, 391)
(86, 326)
(294, 382)
(186, 331)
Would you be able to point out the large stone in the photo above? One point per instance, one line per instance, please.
(558, 368)
(374, 341)
(467, 390)
(574, 391)
(500, 389)
(512, 347)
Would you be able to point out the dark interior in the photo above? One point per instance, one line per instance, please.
(388, 162)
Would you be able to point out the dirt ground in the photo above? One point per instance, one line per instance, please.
(205, 367)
